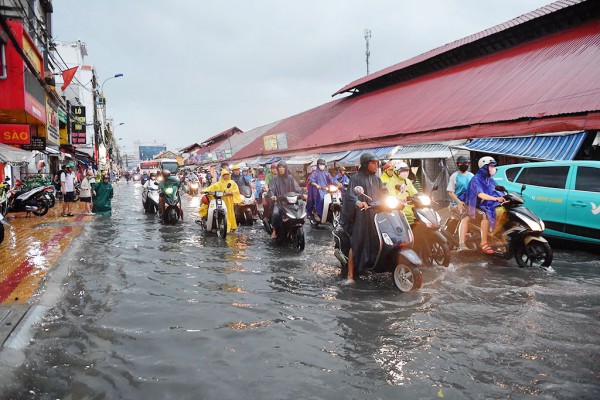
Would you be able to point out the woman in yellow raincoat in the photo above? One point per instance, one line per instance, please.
(232, 196)
(401, 178)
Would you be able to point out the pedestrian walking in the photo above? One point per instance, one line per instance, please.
(67, 185)
(85, 194)
(102, 197)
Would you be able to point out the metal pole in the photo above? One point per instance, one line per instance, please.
(367, 53)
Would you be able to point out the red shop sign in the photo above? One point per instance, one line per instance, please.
(14, 134)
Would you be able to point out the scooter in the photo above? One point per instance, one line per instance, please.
(395, 243)
(216, 219)
(50, 196)
(30, 201)
(171, 212)
(247, 211)
(430, 243)
(193, 187)
(516, 235)
(293, 213)
(332, 208)
(2, 223)
(150, 197)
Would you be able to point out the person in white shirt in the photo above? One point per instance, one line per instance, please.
(67, 186)
(85, 194)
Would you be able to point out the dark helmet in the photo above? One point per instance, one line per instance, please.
(463, 159)
(282, 163)
(321, 161)
(152, 174)
(341, 168)
(366, 157)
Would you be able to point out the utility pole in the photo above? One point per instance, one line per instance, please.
(96, 122)
(367, 53)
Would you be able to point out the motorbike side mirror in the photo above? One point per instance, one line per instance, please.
(500, 188)
(359, 190)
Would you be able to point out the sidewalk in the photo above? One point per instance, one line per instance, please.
(31, 247)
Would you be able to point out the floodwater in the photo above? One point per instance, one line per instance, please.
(147, 311)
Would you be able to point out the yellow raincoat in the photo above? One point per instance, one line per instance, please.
(410, 191)
(229, 201)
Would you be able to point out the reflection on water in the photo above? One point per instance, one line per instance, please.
(154, 311)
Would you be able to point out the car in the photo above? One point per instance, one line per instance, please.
(565, 194)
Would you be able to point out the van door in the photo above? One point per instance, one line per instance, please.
(546, 194)
(583, 204)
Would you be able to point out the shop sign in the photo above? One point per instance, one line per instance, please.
(78, 125)
(14, 134)
(37, 143)
(270, 142)
(52, 122)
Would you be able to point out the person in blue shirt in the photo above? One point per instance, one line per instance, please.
(318, 182)
(457, 190)
(342, 179)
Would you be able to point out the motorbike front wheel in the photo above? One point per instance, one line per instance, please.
(440, 252)
(300, 241)
(407, 278)
(221, 226)
(42, 209)
(534, 254)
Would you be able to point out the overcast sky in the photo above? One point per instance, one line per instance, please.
(194, 68)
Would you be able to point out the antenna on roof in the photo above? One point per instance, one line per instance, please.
(367, 53)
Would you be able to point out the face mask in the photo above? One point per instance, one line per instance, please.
(463, 168)
(321, 167)
(404, 174)
(492, 171)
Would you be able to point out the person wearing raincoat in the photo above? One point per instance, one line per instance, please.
(232, 197)
(318, 182)
(101, 196)
(400, 177)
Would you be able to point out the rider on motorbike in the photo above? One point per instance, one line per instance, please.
(388, 172)
(168, 181)
(401, 171)
(281, 184)
(457, 190)
(231, 196)
(357, 220)
(316, 189)
(342, 179)
(482, 198)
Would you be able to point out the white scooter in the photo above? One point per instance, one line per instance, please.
(332, 208)
(150, 197)
(216, 219)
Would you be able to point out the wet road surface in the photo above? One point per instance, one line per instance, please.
(136, 309)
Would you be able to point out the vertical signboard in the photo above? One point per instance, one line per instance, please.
(78, 128)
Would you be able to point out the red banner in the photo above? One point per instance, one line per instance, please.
(15, 134)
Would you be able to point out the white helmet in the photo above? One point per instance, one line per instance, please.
(400, 166)
(485, 160)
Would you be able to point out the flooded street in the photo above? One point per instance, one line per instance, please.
(148, 311)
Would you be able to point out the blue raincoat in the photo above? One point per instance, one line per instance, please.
(321, 178)
(482, 182)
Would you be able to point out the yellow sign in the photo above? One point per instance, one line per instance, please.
(270, 142)
(32, 54)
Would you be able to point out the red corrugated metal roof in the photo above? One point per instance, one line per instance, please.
(558, 5)
(553, 76)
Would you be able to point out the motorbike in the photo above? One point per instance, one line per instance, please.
(29, 201)
(171, 212)
(247, 211)
(293, 213)
(430, 243)
(50, 196)
(332, 208)
(2, 223)
(216, 219)
(395, 243)
(150, 197)
(4, 186)
(517, 234)
(193, 187)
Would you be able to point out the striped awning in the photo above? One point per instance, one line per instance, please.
(553, 147)
(301, 160)
(331, 157)
(353, 158)
(423, 151)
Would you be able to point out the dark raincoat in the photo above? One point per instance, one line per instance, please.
(321, 178)
(279, 186)
(101, 198)
(360, 225)
(482, 182)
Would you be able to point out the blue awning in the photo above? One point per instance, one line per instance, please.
(380, 152)
(331, 157)
(555, 147)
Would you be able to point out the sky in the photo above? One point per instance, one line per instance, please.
(195, 68)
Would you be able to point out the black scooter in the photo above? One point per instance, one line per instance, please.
(395, 243)
(247, 211)
(293, 212)
(29, 201)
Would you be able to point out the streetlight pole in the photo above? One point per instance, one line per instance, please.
(103, 103)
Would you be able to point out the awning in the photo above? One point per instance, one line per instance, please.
(380, 153)
(423, 151)
(301, 160)
(331, 157)
(13, 156)
(557, 146)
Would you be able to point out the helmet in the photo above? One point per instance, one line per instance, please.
(282, 163)
(401, 166)
(235, 167)
(273, 165)
(70, 164)
(152, 174)
(388, 165)
(321, 161)
(366, 157)
(341, 168)
(463, 159)
(486, 160)
(245, 169)
(166, 172)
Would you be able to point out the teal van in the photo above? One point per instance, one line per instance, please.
(564, 194)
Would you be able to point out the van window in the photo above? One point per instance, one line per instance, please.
(511, 173)
(551, 177)
(588, 179)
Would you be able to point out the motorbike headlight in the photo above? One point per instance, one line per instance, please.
(194, 185)
(292, 199)
(533, 225)
(391, 202)
(333, 188)
(425, 200)
(219, 194)
(169, 191)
